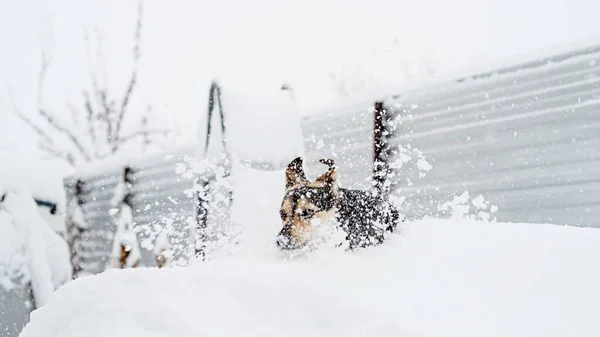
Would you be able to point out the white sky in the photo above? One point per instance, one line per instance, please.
(186, 43)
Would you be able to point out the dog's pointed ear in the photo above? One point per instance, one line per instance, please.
(329, 177)
(295, 173)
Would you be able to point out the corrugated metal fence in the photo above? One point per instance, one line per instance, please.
(526, 137)
(161, 197)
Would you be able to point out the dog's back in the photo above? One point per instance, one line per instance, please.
(365, 217)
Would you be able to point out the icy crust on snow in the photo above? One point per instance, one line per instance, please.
(30, 250)
(439, 278)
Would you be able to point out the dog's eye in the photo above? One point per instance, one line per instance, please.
(283, 215)
(307, 213)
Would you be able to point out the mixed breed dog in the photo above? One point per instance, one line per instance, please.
(308, 207)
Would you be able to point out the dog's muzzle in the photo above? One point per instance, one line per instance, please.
(284, 239)
(283, 242)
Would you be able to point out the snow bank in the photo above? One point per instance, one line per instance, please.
(40, 178)
(31, 250)
(440, 278)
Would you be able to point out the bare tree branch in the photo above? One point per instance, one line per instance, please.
(66, 132)
(89, 116)
(100, 94)
(49, 118)
(41, 133)
(54, 153)
(134, 74)
(91, 72)
(34, 127)
(102, 116)
(140, 133)
(105, 115)
(42, 78)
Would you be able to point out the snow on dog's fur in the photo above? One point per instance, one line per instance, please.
(310, 208)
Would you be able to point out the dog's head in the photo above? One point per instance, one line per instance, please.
(306, 205)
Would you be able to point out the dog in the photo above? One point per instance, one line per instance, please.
(363, 216)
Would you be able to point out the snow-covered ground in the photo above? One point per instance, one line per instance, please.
(438, 278)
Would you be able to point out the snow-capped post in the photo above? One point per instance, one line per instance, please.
(126, 249)
(380, 165)
(217, 171)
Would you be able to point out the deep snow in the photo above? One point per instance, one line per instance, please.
(439, 278)
(31, 251)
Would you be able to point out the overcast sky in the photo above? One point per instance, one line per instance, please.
(186, 43)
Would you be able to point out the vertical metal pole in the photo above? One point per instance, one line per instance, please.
(379, 157)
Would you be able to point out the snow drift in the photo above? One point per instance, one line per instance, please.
(31, 251)
(439, 278)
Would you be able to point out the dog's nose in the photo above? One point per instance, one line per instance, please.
(282, 241)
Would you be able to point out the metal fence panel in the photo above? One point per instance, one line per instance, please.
(96, 241)
(159, 198)
(526, 138)
(163, 197)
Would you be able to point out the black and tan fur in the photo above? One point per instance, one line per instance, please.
(364, 217)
